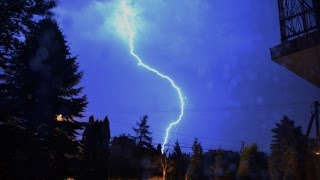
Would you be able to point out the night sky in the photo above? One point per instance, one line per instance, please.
(217, 51)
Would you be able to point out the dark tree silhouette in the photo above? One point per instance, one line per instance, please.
(10, 140)
(89, 141)
(17, 18)
(287, 151)
(40, 84)
(104, 149)
(146, 153)
(96, 140)
(177, 158)
(124, 162)
(143, 134)
(195, 169)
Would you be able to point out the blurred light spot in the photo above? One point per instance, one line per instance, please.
(59, 118)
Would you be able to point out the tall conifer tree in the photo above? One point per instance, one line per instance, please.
(42, 87)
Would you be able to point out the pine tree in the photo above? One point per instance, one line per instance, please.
(195, 169)
(177, 153)
(41, 83)
(287, 149)
(143, 135)
(103, 149)
(177, 159)
(89, 142)
(16, 20)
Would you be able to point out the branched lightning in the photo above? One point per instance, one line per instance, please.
(126, 15)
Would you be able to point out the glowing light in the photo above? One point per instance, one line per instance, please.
(127, 13)
(59, 118)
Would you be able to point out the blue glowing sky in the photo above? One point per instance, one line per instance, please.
(217, 51)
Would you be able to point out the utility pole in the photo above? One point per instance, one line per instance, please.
(242, 147)
(315, 117)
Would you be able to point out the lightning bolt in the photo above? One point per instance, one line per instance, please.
(126, 15)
